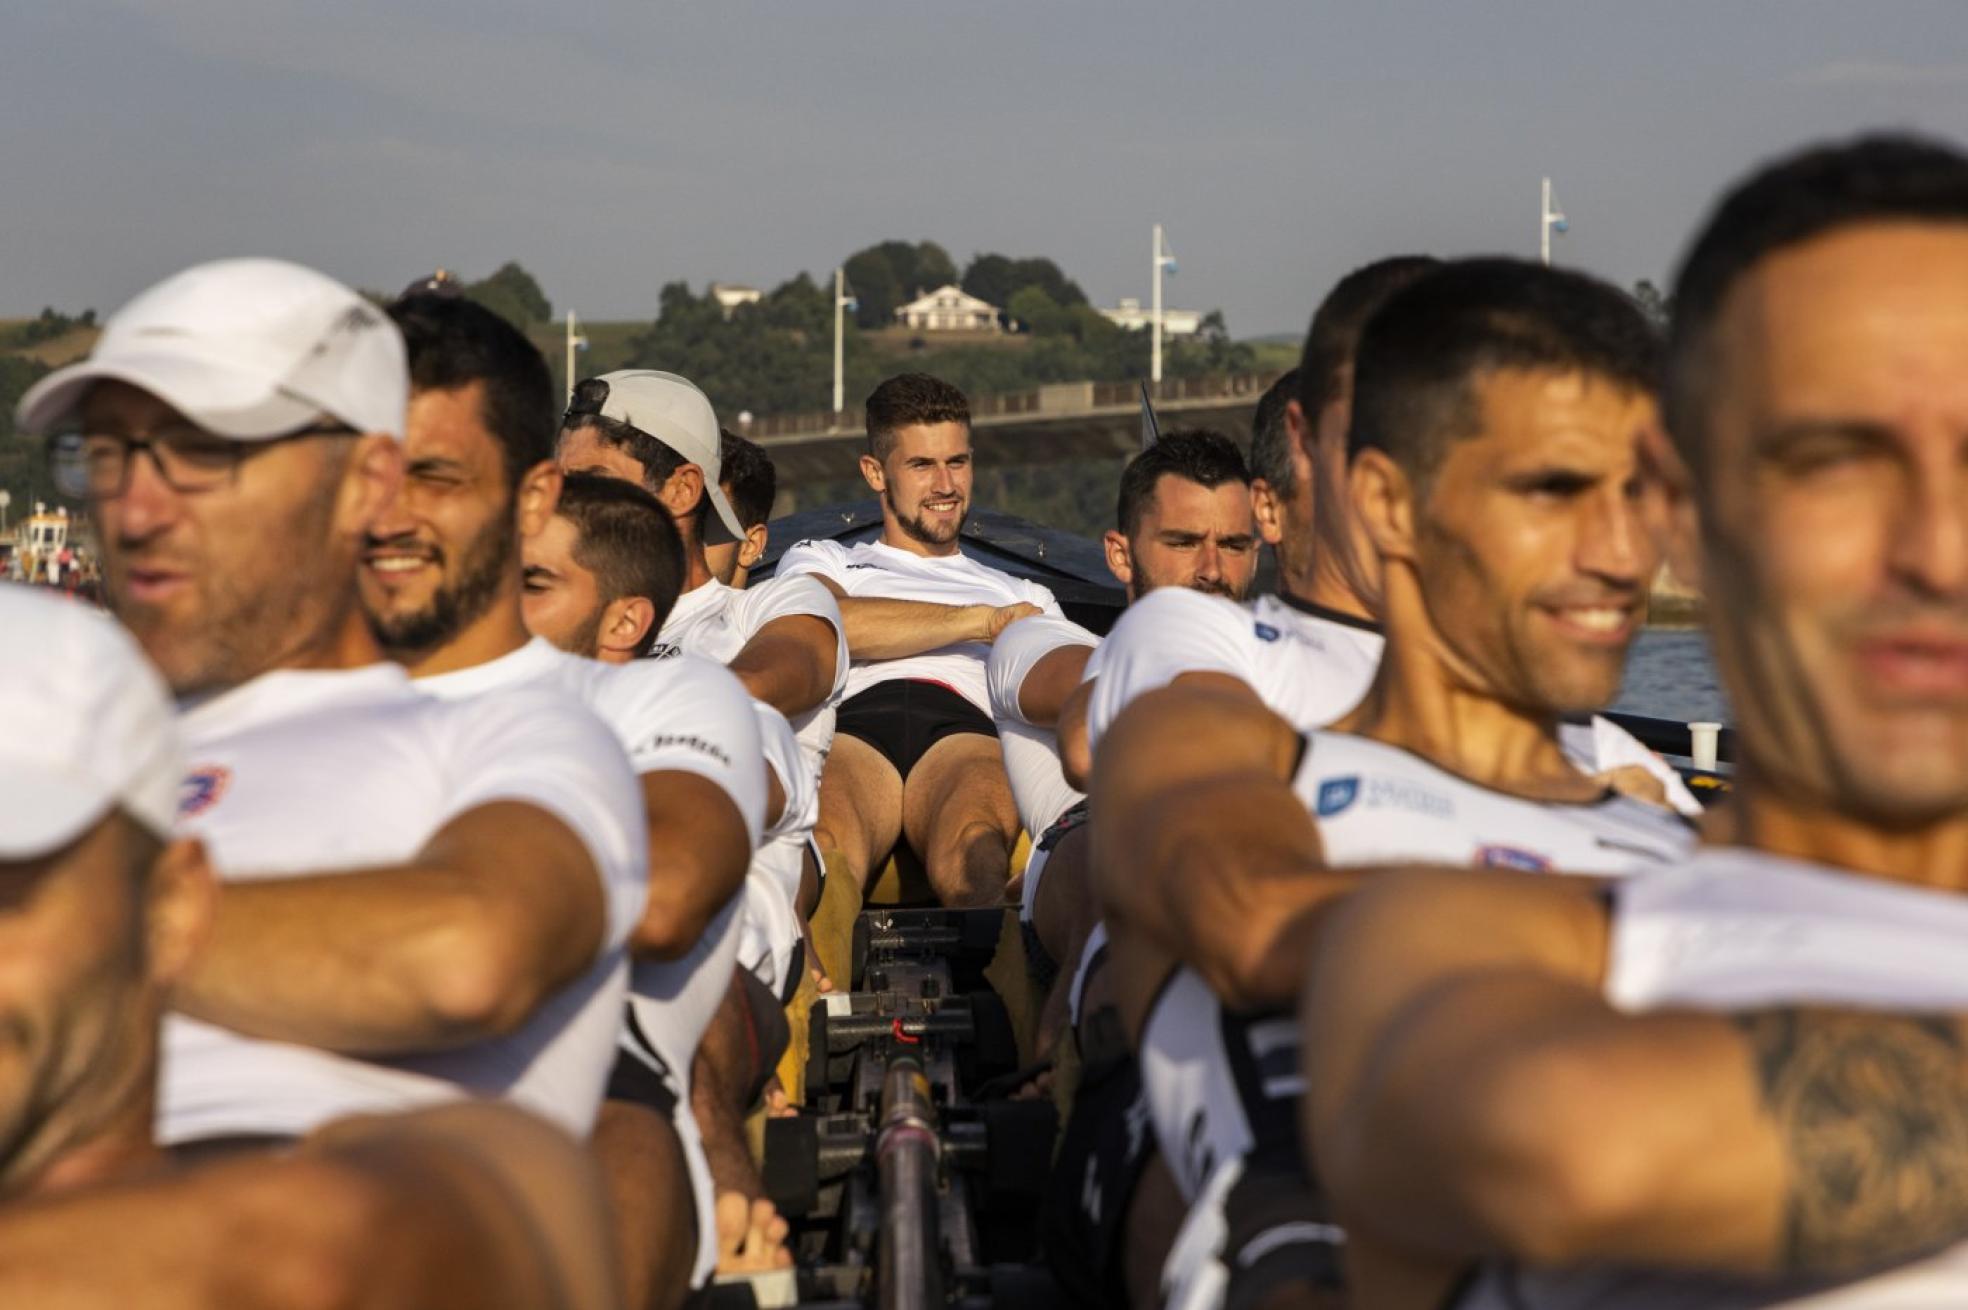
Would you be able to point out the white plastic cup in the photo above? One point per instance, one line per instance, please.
(1707, 739)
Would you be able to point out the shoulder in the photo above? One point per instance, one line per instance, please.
(1180, 618)
(784, 596)
(812, 554)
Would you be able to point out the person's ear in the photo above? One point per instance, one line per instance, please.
(372, 479)
(683, 490)
(874, 474)
(624, 622)
(1120, 560)
(752, 549)
(1267, 507)
(539, 496)
(180, 895)
(1383, 500)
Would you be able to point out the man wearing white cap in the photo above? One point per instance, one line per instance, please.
(103, 915)
(420, 898)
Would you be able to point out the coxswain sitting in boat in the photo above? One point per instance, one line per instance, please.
(442, 585)
(420, 900)
(1500, 472)
(916, 761)
(471, 1205)
(1739, 1083)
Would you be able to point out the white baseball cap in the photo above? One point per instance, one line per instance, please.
(245, 348)
(673, 411)
(89, 726)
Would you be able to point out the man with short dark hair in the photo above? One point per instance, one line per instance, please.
(917, 759)
(750, 483)
(604, 572)
(467, 1205)
(1500, 411)
(1739, 1083)
(481, 480)
(1184, 518)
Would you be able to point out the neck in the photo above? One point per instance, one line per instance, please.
(1763, 814)
(696, 567)
(102, 1133)
(1420, 702)
(1327, 586)
(894, 536)
(341, 641)
(499, 631)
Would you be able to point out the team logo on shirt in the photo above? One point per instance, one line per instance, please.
(1265, 632)
(202, 789)
(1335, 794)
(664, 650)
(1511, 857)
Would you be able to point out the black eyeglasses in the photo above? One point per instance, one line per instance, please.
(96, 466)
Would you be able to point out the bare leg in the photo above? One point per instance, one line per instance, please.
(958, 814)
(1063, 915)
(860, 806)
(720, 1076)
(649, 1193)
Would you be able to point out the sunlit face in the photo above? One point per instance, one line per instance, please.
(1191, 536)
(562, 601)
(1534, 545)
(220, 585)
(435, 562)
(77, 1006)
(1835, 512)
(1289, 521)
(925, 482)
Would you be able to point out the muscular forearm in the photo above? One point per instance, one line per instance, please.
(698, 852)
(1044, 692)
(893, 629)
(789, 664)
(397, 1219)
(1789, 1142)
(1075, 746)
(369, 963)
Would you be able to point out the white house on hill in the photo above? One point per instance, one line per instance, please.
(730, 295)
(949, 308)
(1175, 322)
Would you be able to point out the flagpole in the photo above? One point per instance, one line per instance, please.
(570, 356)
(840, 302)
(1155, 314)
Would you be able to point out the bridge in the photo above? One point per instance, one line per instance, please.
(1067, 422)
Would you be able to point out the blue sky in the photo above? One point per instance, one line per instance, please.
(612, 146)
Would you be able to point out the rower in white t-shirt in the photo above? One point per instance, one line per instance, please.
(1216, 873)
(419, 901)
(442, 585)
(915, 757)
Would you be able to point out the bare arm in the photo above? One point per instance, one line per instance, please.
(467, 1206)
(698, 852)
(789, 663)
(1043, 694)
(1075, 743)
(1476, 1095)
(498, 911)
(1201, 844)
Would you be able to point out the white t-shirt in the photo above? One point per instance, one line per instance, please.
(1031, 753)
(769, 926)
(873, 569)
(715, 621)
(1734, 929)
(1308, 665)
(318, 772)
(681, 715)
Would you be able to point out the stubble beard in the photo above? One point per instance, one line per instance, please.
(455, 605)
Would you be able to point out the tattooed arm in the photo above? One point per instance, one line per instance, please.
(1473, 1094)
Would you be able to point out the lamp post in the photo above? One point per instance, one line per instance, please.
(1550, 219)
(1161, 259)
(574, 342)
(842, 303)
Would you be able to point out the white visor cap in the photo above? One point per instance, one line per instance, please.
(672, 410)
(89, 726)
(245, 348)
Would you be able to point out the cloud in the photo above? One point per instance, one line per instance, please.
(1891, 73)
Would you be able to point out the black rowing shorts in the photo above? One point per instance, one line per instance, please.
(904, 717)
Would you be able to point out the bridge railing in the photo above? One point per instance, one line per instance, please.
(1052, 398)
